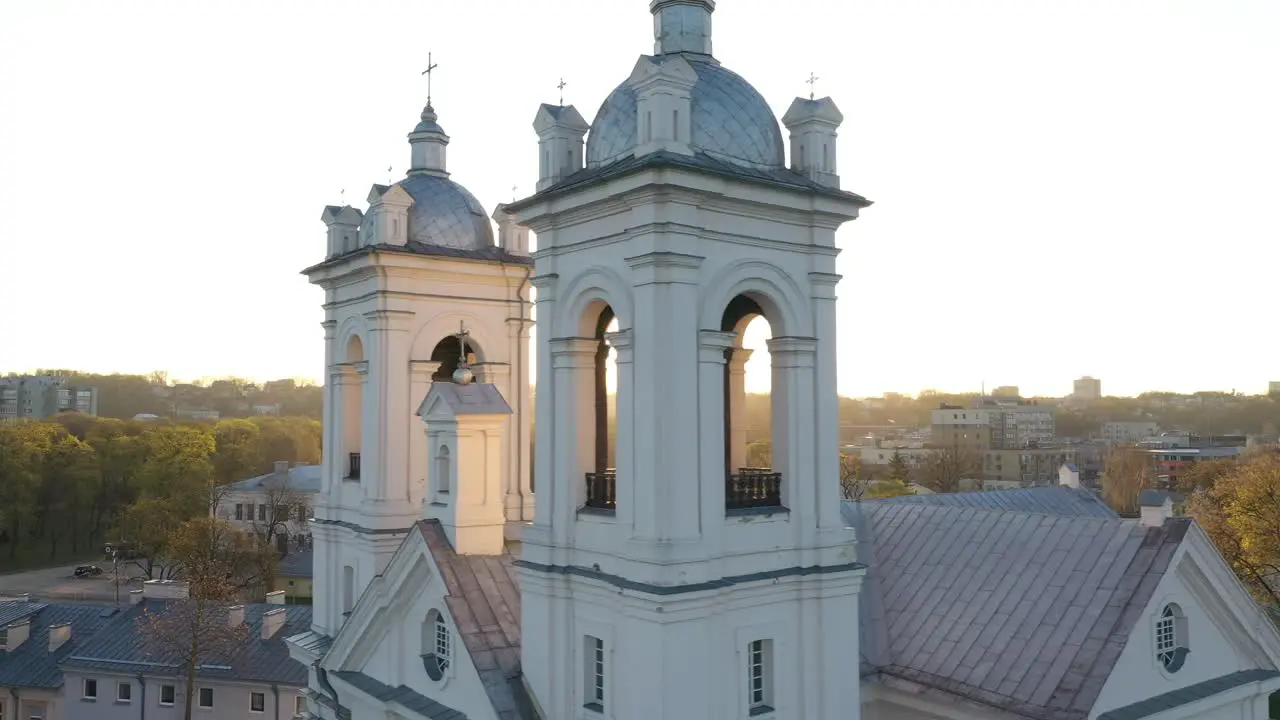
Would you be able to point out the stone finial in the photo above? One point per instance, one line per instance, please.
(512, 237)
(813, 125)
(561, 136)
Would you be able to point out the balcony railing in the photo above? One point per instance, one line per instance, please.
(753, 488)
(602, 490)
(353, 466)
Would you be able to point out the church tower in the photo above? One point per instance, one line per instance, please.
(415, 289)
(663, 577)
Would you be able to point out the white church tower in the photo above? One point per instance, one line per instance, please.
(409, 284)
(661, 577)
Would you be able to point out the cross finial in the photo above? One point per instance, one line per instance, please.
(430, 68)
(813, 80)
(513, 193)
(561, 86)
(388, 174)
(343, 194)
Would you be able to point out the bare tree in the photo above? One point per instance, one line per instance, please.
(853, 479)
(283, 504)
(1127, 472)
(944, 469)
(196, 630)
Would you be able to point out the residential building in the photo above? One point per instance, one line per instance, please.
(277, 504)
(42, 397)
(1026, 466)
(293, 577)
(1006, 391)
(1087, 388)
(993, 423)
(877, 458)
(682, 584)
(88, 662)
(1172, 460)
(1129, 432)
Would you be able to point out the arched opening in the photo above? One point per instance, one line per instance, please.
(353, 409)
(348, 589)
(753, 477)
(448, 352)
(603, 479)
(442, 469)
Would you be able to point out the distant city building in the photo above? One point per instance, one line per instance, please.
(1172, 453)
(1001, 423)
(41, 397)
(1273, 387)
(1087, 388)
(1006, 391)
(1129, 432)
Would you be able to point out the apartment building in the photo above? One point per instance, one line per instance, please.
(1087, 388)
(1004, 423)
(1129, 432)
(42, 396)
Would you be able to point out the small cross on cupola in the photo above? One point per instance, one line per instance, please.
(428, 139)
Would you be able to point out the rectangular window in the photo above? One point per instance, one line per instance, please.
(257, 702)
(249, 512)
(262, 512)
(167, 695)
(760, 676)
(299, 705)
(239, 511)
(594, 655)
(90, 691)
(206, 698)
(124, 692)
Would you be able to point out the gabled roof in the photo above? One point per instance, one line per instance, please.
(402, 696)
(473, 399)
(1187, 695)
(1023, 611)
(483, 597)
(119, 647)
(31, 665)
(1067, 502)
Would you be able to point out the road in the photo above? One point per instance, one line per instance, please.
(59, 585)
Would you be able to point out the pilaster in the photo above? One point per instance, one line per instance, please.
(712, 346)
(737, 408)
(420, 374)
(385, 462)
(573, 363)
(792, 397)
(625, 449)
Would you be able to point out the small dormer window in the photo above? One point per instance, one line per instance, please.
(437, 645)
(1171, 638)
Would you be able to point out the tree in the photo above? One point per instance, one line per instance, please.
(853, 480)
(194, 631)
(899, 468)
(1127, 471)
(23, 445)
(760, 454)
(1241, 514)
(944, 469)
(1204, 474)
(237, 450)
(283, 503)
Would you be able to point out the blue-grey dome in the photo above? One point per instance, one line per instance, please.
(731, 121)
(445, 214)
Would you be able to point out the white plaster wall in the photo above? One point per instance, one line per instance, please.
(685, 657)
(401, 306)
(1138, 674)
(231, 701)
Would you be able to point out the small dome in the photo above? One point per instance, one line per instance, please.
(731, 121)
(445, 214)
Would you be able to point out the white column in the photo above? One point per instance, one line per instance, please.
(330, 432)
(521, 435)
(543, 468)
(738, 407)
(827, 422)
(792, 400)
(573, 430)
(387, 406)
(625, 449)
(712, 470)
(420, 372)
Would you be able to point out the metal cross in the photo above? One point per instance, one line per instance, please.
(343, 194)
(388, 174)
(813, 80)
(561, 86)
(513, 193)
(430, 67)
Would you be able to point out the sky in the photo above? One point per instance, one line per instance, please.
(1061, 187)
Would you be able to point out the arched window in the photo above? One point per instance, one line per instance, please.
(353, 409)
(448, 352)
(602, 480)
(1171, 638)
(437, 645)
(348, 589)
(442, 469)
(753, 477)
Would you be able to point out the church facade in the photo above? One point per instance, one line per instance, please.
(658, 575)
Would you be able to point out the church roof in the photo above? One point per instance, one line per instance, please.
(402, 696)
(1027, 611)
(1063, 501)
(484, 600)
(488, 254)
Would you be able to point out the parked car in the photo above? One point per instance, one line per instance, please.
(87, 571)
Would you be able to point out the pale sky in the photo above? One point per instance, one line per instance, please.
(1062, 187)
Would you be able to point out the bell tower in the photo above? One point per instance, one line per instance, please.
(656, 547)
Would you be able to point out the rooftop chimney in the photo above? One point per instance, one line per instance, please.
(1068, 476)
(235, 616)
(135, 597)
(16, 634)
(272, 622)
(58, 636)
(164, 590)
(275, 598)
(1156, 507)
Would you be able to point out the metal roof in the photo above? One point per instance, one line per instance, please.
(402, 696)
(31, 665)
(120, 647)
(1187, 695)
(1067, 502)
(1024, 611)
(304, 478)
